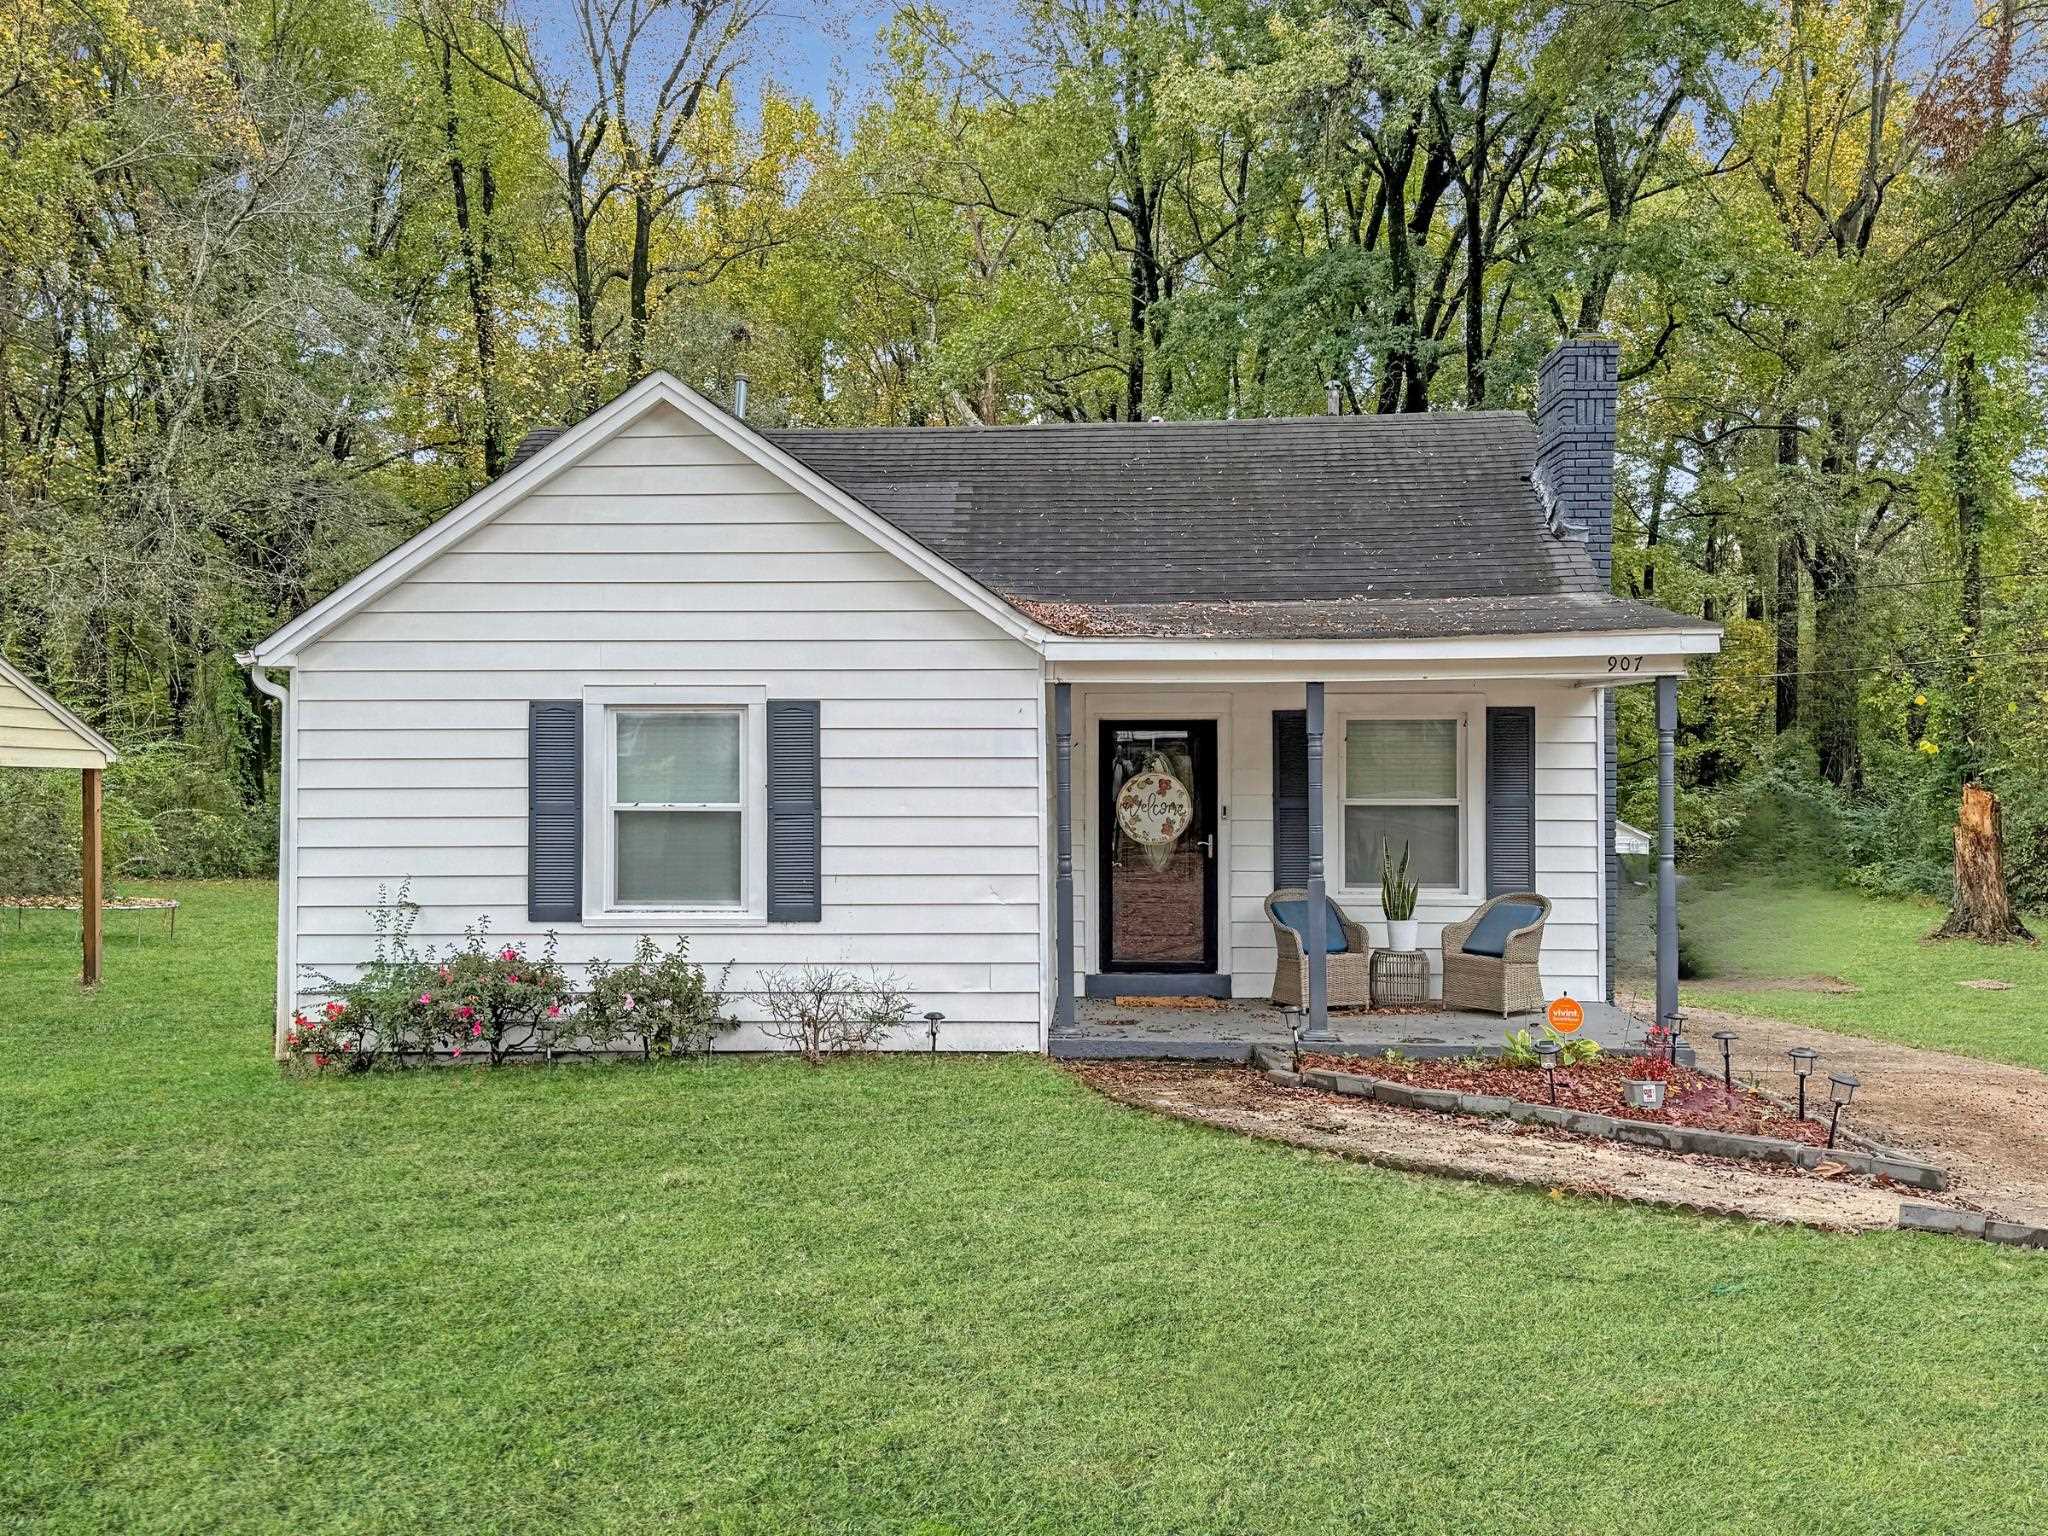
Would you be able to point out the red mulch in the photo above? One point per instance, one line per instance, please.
(1691, 1098)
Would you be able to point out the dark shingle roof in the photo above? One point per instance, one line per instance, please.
(1321, 527)
(1316, 508)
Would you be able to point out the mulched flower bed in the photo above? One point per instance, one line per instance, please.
(1691, 1098)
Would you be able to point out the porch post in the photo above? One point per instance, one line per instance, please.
(1667, 864)
(1316, 938)
(1063, 882)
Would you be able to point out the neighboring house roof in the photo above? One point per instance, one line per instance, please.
(1628, 839)
(38, 732)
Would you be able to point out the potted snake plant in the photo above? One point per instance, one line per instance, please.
(1397, 899)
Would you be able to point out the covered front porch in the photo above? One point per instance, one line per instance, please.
(1267, 786)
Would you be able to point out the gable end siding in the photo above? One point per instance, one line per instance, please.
(667, 559)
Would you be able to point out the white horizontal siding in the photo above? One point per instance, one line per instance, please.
(694, 627)
(939, 686)
(722, 657)
(388, 863)
(667, 559)
(433, 592)
(582, 565)
(425, 720)
(947, 898)
(754, 947)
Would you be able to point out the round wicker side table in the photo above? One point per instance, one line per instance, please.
(1399, 976)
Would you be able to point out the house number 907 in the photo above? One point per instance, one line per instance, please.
(1624, 663)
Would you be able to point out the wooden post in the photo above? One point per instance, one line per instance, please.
(89, 894)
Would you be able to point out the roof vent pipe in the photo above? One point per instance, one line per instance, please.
(1334, 394)
(739, 396)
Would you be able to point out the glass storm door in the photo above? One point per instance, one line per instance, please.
(1158, 868)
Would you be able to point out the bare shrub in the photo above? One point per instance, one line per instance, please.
(829, 1010)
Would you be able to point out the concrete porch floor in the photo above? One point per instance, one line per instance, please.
(1104, 1030)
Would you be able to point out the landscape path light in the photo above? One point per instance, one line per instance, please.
(1842, 1088)
(1727, 1039)
(1547, 1052)
(932, 1021)
(1803, 1058)
(1296, 1017)
(1674, 1026)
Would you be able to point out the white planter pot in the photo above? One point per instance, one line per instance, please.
(1401, 934)
(1642, 1093)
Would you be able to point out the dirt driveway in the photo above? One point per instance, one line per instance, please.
(1986, 1123)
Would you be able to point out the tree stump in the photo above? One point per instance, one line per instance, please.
(1982, 907)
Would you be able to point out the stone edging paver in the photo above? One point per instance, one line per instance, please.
(1673, 1138)
(1940, 1218)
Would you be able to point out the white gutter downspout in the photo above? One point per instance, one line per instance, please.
(286, 854)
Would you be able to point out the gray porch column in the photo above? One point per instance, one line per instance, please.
(1667, 862)
(1315, 941)
(1063, 882)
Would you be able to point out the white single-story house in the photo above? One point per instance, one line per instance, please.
(872, 697)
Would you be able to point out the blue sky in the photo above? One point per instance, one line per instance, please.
(812, 47)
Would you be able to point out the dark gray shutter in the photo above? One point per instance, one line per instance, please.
(554, 811)
(1290, 797)
(795, 812)
(1510, 800)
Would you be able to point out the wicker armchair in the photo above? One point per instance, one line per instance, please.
(1346, 976)
(1504, 985)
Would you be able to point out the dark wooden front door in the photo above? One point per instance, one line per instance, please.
(1158, 846)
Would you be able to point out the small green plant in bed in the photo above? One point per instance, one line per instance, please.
(1519, 1050)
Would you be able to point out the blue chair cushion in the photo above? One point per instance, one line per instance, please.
(1489, 935)
(1294, 914)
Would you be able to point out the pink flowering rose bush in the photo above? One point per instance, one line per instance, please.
(329, 1036)
(660, 1002)
(491, 1000)
(494, 1000)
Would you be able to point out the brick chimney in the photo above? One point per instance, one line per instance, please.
(1576, 391)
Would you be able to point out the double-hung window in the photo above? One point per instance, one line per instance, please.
(676, 812)
(1402, 789)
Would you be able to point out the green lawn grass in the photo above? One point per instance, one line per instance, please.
(897, 1296)
(1907, 986)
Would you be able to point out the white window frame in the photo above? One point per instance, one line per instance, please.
(1337, 785)
(601, 710)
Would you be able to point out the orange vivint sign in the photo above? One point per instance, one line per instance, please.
(1565, 1015)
